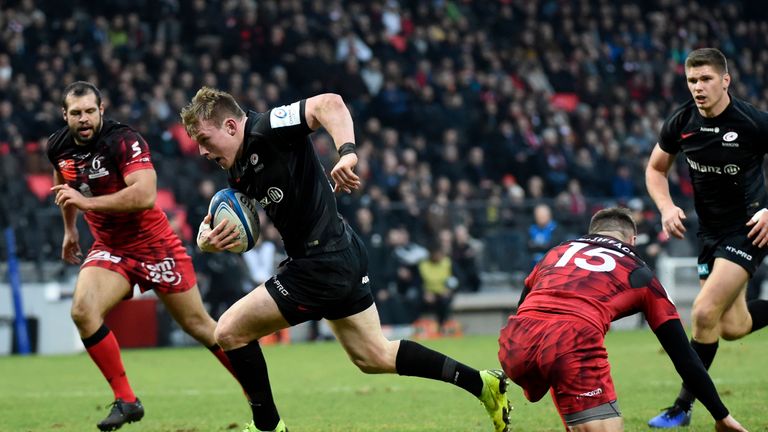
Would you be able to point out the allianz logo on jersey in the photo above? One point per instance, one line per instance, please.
(274, 195)
(730, 169)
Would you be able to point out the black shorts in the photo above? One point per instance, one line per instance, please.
(331, 285)
(734, 246)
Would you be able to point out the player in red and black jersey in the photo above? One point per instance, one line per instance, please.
(103, 169)
(270, 156)
(570, 298)
(723, 140)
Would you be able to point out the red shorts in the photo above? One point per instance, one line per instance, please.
(566, 355)
(162, 266)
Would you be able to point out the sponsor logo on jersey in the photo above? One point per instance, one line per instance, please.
(96, 169)
(163, 272)
(254, 159)
(709, 129)
(729, 138)
(274, 195)
(686, 135)
(100, 255)
(68, 169)
(365, 280)
(738, 252)
(730, 169)
(593, 393)
(280, 286)
(286, 115)
(703, 270)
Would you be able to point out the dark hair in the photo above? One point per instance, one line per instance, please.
(613, 219)
(707, 57)
(80, 88)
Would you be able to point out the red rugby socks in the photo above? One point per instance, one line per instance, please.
(222, 356)
(105, 352)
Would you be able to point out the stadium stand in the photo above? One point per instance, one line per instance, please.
(469, 113)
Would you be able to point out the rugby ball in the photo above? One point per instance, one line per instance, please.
(240, 210)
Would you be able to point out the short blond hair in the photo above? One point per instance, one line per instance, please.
(209, 104)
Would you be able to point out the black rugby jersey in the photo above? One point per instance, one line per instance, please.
(724, 155)
(280, 168)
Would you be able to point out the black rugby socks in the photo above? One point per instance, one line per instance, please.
(759, 311)
(414, 359)
(706, 352)
(251, 370)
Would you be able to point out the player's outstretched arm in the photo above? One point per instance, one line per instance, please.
(657, 182)
(687, 363)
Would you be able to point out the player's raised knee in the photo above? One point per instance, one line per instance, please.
(225, 334)
(705, 316)
(82, 315)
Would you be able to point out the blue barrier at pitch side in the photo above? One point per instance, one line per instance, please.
(19, 322)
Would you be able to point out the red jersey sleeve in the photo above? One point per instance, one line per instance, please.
(131, 153)
(657, 306)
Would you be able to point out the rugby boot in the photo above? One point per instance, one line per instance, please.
(122, 413)
(671, 417)
(494, 397)
(250, 427)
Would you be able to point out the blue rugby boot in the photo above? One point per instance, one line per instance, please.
(671, 417)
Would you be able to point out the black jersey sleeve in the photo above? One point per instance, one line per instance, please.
(286, 124)
(689, 366)
(669, 136)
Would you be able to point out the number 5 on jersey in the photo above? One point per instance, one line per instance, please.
(136, 149)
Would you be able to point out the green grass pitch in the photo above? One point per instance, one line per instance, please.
(317, 389)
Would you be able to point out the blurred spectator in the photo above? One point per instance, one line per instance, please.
(543, 234)
(224, 275)
(474, 91)
(464, 255)
(439, 284)
(649, 233)
(402, 291)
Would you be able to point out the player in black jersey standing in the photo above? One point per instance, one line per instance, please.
(723, 140)
(269, 156)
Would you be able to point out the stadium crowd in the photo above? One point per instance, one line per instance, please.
(471, 113)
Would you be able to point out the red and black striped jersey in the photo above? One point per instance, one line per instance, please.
(99, 168)
(598, 279)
